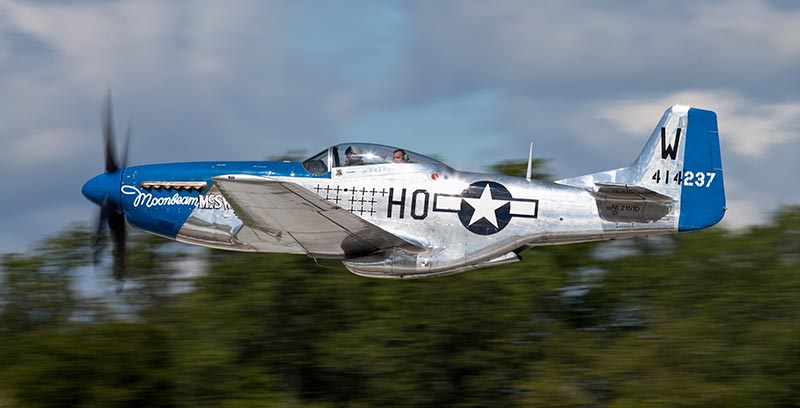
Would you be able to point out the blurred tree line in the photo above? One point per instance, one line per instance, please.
(710, 318)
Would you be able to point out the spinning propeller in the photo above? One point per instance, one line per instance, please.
(104, 190)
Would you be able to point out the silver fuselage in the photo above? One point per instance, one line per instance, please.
(422, 204)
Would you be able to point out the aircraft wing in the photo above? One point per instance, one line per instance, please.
(321, 229)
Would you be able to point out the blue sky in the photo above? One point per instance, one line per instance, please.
(471, 82)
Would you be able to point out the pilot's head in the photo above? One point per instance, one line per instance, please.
(352, 155)
(400, 156)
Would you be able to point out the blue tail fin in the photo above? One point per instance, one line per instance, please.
(702, 189)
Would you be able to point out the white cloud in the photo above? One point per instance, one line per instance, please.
(96, 42)
(746, 127)
(744, 207)
(578, 45)
(753, 25)
(43, 148)
(742, 213)
(92, 42)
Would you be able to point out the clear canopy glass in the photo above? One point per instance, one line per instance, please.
(362, 154)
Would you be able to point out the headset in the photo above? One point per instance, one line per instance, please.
(405, 155)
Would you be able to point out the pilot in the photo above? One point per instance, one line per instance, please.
(400, 156)
(352, 156)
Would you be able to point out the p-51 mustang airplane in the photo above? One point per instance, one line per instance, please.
(392, 213)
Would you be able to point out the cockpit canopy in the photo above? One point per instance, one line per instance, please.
(362, 154)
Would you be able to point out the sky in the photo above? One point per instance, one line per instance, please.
(470, 82)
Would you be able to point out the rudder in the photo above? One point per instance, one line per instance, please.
(702, 187)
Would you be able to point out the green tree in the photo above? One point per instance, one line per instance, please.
(36, 288)
(519, 168)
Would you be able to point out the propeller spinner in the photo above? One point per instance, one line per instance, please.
(104, 190)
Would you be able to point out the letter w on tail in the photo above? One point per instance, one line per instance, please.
(669, 150)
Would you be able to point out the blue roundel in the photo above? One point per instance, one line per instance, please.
(485, 207)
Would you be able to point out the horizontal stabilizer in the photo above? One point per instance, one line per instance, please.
(617, 202)
(612, 191)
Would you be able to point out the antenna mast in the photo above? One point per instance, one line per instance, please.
(530, 160)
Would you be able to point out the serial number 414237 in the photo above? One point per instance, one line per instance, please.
(686, 178)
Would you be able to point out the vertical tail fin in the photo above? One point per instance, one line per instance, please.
(681, 160)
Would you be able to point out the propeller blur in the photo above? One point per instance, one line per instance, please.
(103, 191)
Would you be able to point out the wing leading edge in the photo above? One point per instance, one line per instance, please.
(289, 213)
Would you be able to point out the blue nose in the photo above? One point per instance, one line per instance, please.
(103, 188)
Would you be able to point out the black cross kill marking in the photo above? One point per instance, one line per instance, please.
(371, 201)
(336, 199)
(352, 200)
(362, 201)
